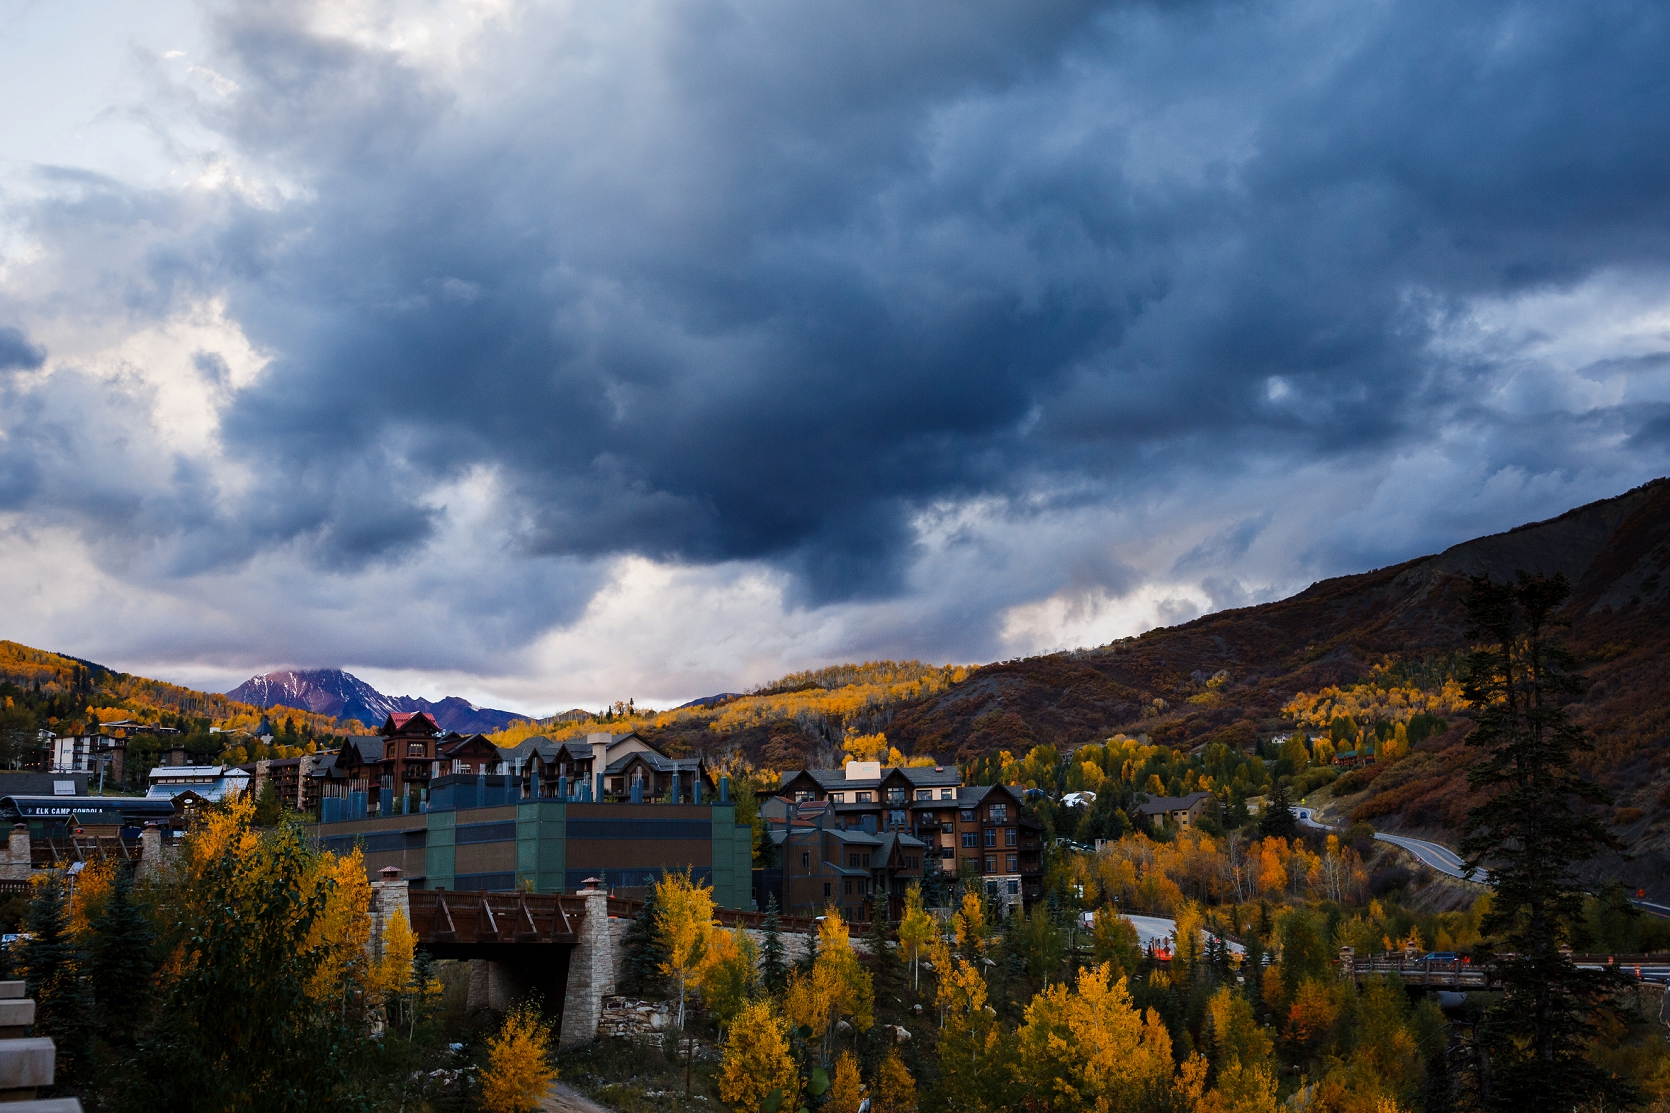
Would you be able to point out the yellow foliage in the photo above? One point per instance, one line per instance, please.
(916, 927)
(1087, 1048)
(342, 930)
(684, 920)
(519, 1070)
(837, 987)
(1365, 703)
(865, 747)
(727, 978)
(969, 922)
(92, 888)
(757, 1061)
(394, 971)
(895, 1089)
(836, 696)
(845, 1089)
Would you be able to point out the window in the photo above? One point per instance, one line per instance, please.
(802, 797)
(1009, 836)
(1014, 888)
(1014, 863)
(826, 888)
(991, 836)
(863, 887)
(897, 819)
(852, 860)
(948, 852)
(969, 840)
(846, 887)
(414, 749)
(998, 813)
(945, 828)
(973, 864)
(805, 860)
(866, 861)
(895, 796)
(991, 864)
(864, 797)
(836, 797)
(924, 794)
(968, 815)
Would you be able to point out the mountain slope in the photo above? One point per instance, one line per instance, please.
(1332, 633)
(345, 696)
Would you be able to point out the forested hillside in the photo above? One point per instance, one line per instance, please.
(41, 690)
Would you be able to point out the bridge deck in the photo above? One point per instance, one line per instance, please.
(439, 916)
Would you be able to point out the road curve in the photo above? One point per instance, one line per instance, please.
(1440, 858)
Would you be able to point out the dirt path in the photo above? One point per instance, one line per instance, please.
(564, 1098)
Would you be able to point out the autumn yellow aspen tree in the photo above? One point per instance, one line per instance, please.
(970, 925)
(1088, 1047)
(757, 1061)
(916, 928)
(894, 1090)
(838, 986)
(519, 1070)
(845, 1091)
(684, 917)
(729, 976)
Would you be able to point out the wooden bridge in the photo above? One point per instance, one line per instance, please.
(1460, 974)
(469, 918)
(473, 918)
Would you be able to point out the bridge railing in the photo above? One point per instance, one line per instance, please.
(440, 916)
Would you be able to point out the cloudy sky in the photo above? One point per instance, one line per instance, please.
(553, 353)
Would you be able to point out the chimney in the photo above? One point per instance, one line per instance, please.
(599, 758)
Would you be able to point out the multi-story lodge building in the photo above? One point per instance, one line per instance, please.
(390, 772)
(604, 767)
(956, 829)
(864, 874)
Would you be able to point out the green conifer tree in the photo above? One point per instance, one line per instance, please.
(54, 968)
(774, 967)
(1533, 829)
(887, 974)
(1278, 820)
(645, 952)
(122, 963)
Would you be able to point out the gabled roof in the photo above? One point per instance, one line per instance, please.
(657, 761)
(920, 776)
(1160, 805)
(400, 721)
(545, 749)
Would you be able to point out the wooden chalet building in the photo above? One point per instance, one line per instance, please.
(391, 768)
(823, 864)
(631, 768)
(959, 829)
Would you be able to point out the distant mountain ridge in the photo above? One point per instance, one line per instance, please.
(346, 696)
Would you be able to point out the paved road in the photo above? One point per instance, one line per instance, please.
(1440, 858)
(1153, 929)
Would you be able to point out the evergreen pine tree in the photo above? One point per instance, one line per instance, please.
(122, 963)
(53, 966)
(1278, 820)
(809, 956)
(887, 972)
(774, 967)
(645, 952)
(1532, 830)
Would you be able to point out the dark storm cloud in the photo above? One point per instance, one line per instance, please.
(725, 281)
(16, 353)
